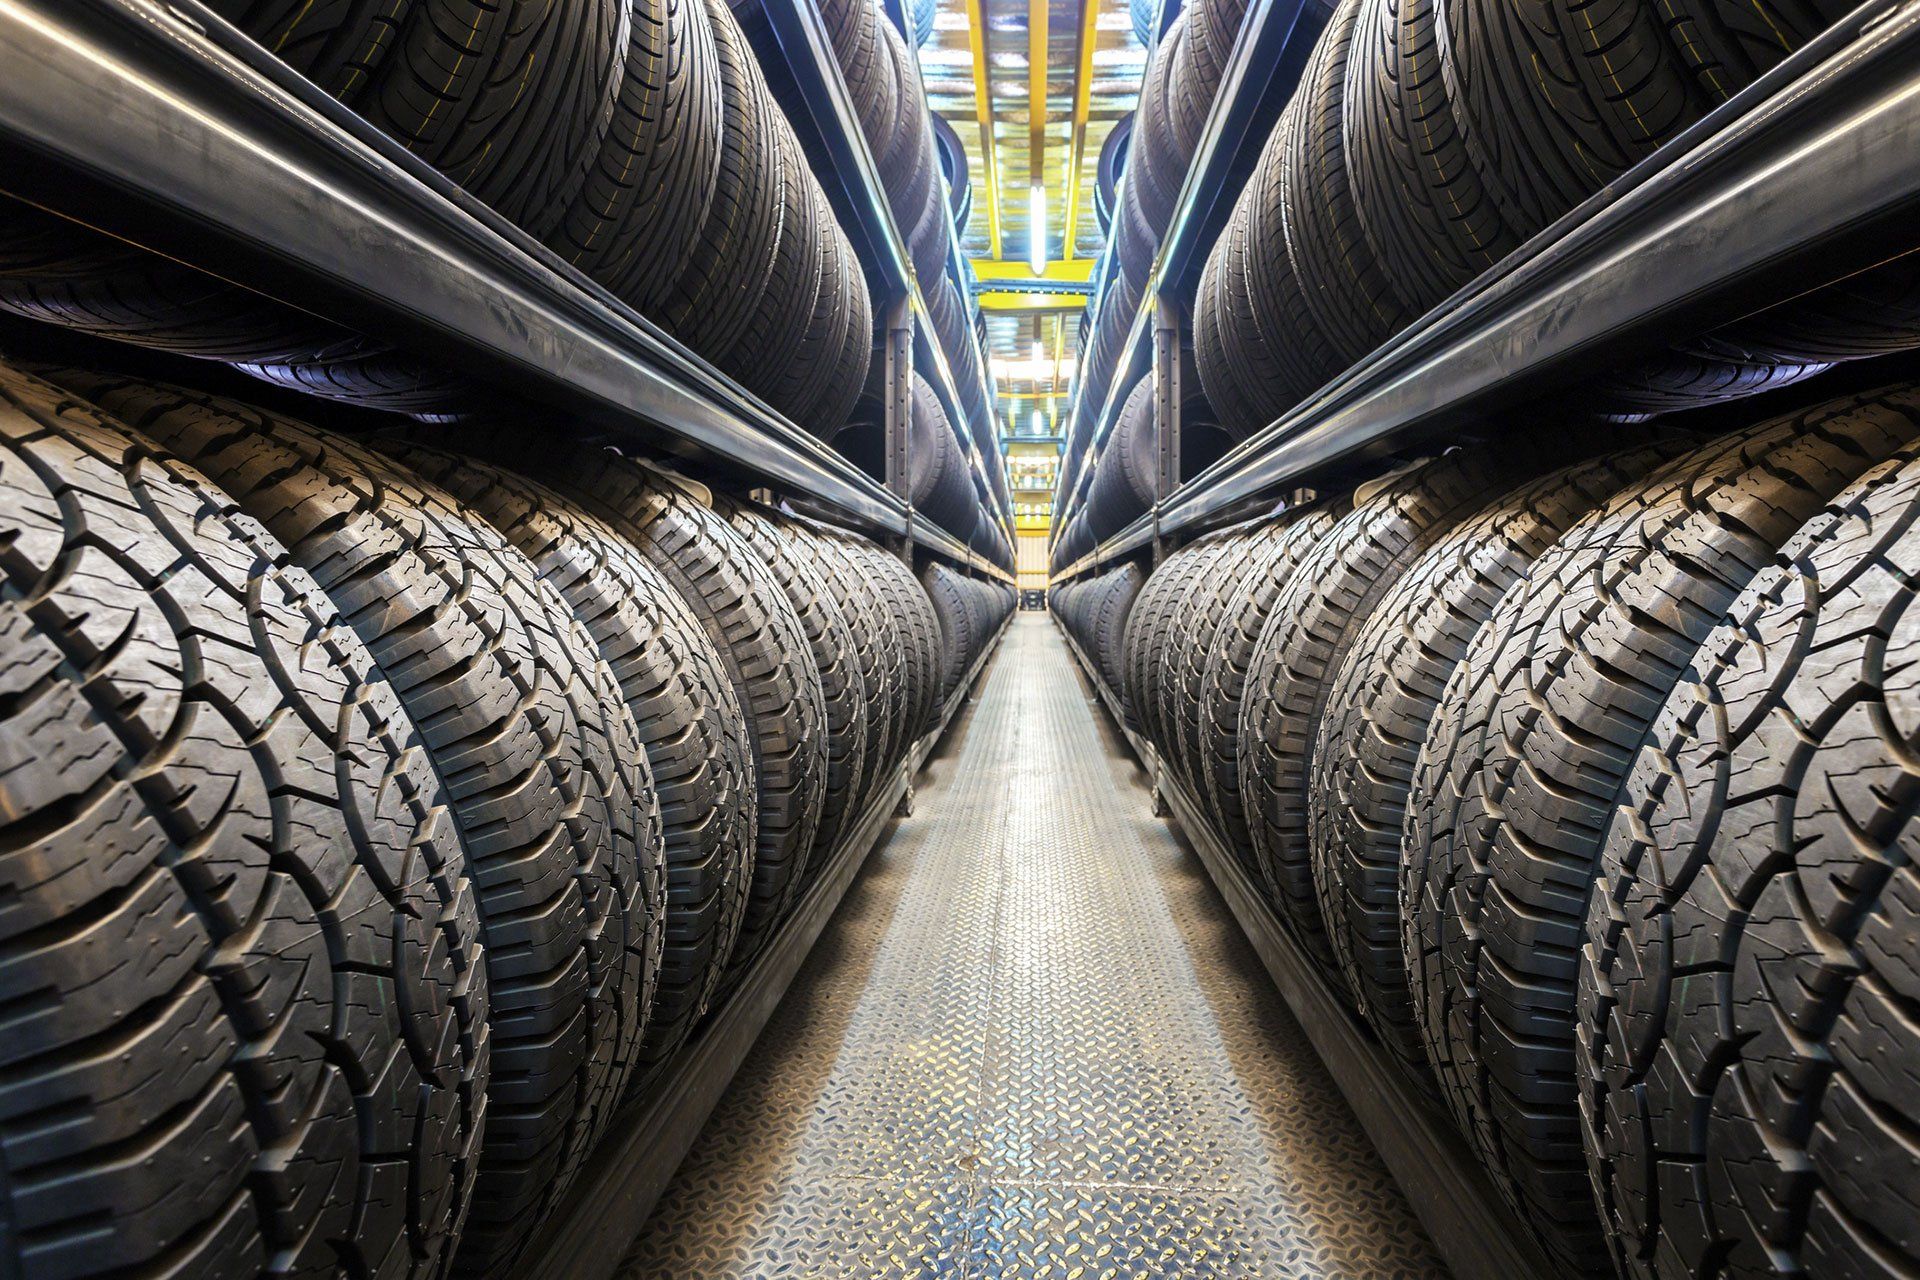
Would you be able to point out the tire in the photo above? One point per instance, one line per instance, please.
(1117, 599)
(1774, 1065)
(1184, 680)
(337, 44)
(1554, 100)
(1143, 621)
(60, 273)
(836, 659)
(1187, 575)
(1728, 46)
(762, 644)
(1427, 216)
(1345, 289)
(508, 98)
(1334, 588)
(921, 631)
(684, 709)
(1236, 637)
(1524, 767)
(300, 1054)
(960, 639)
(880, 647)
(651, 186)
(1382, 707)
(523, 724)
(720, 286)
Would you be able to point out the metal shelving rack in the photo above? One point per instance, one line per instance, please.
(1809, 175)
(159, 124)
(853, 180)
(1451, 1194)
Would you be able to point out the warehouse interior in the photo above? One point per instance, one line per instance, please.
(982, 639)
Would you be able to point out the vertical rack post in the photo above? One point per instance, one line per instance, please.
(898, 355)
(1168, 322)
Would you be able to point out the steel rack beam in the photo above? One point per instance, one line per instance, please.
(1473, 1228)
(1809, 175)
(635, 1161)
(1269, 56)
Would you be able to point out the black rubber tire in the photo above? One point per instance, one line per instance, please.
(62, 273)
(852, 26)
(1183, 681)
(920, 632)
(1728, 44)
(1187, 574)
(1236, 637)
(1382, 707)
(508, 98)
(879, 646)
(719, 287)
(1119, 592)
(1334, 587)
(56, 272)
(1427, 215)
(1743, 983)
(523, 723)
(761, 642)
(960, 639)
(683, 707)
(637, 216)
(1143, 620)
(1346, 290)
(1158, 164)
(1553, 100)
(836, 660)
(208, 775)
(1527, 757)
(337, 44)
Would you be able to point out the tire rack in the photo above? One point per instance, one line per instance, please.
(627, 1173)
(1456, 1202)
(853, 180)
(158, 123)
(1807, 176)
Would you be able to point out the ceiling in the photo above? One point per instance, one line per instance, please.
(1000, 45)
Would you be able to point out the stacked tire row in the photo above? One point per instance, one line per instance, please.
(1429, 138)
(439, 796)
(942, 483)
(1185, 69)
(1094, 611)
(1587, 775)
(883, 77)
(636, 138)
(1125, 476)
(970, 612)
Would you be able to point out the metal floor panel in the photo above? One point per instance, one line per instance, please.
(1032, 1043)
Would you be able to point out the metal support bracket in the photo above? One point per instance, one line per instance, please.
(898, 355)
(1168, 330)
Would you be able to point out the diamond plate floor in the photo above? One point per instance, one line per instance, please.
(1032, 1043)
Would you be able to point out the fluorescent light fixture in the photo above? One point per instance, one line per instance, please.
(1037, 228)
(1038, 426)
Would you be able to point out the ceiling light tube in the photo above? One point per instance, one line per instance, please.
(1037, 228)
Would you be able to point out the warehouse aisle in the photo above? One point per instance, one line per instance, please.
(1032, 1043)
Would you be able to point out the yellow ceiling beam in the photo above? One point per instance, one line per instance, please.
(987, 270)
(983, 116)
(1002, 302)
(1082, 106)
